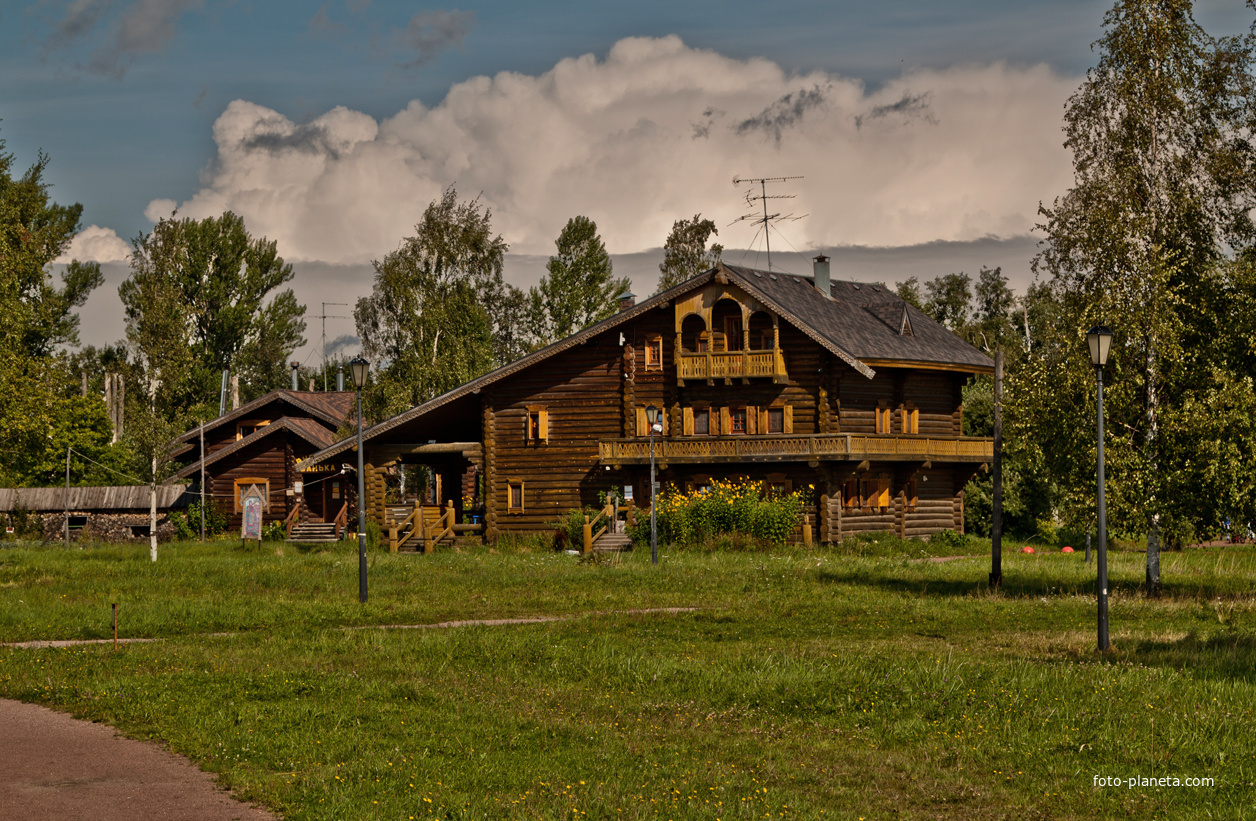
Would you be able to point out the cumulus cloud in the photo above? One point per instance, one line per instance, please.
(653, 132)
(142, 27)
(96, 244)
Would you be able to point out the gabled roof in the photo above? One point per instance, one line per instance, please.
(330, 407)
(865, 320)
(840, 325)
(308, 429)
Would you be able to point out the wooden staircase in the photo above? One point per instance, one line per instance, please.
(612, 543)
(314, 533)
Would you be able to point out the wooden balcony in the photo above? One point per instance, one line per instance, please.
(731, 365)
(778, 448)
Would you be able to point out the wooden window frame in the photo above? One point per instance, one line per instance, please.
(643, 427)
(884, 419)
(773, 481)
(254, 423)
(876, 493)
(909, 418)
(537, 434)
(654, 353)
(736, 414)
(241, 485)
(514, 486)
(690, 416)
(852, 500)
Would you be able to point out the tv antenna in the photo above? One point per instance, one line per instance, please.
(763, 197)
(326, 316)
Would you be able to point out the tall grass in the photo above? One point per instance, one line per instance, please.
(806, 684)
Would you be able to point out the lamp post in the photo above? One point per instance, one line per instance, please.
(358, 369)
(1099, 338)
(652, 419)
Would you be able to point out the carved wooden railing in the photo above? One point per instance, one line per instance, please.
(294, 518)
(605, 515)
(844, 446)
(731, 365)
(342, 520)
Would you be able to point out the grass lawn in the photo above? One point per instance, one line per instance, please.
(836, 683)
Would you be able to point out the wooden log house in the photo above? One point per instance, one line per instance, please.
(260, 443)
(840, 389)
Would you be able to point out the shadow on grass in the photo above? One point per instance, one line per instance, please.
(1230, 655)
(1012, 586)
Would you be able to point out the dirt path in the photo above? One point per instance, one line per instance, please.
(53, 766)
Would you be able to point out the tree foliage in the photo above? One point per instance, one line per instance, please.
(685, 254)
(211, 283)
(41, 413)
(435, 318)
(1155, 240)
(579, 288)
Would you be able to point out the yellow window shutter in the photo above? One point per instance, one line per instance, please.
(642, 428)
(789, 419)
(915, 420)
(725, 425)
(687, 421)
(763, 420)
(544, 425)
(883, 493)
(752, 419)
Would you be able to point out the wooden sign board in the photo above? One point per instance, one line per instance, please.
(253, 503)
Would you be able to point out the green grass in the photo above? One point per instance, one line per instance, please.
(844, 683)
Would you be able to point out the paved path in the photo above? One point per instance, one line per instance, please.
(56, 767)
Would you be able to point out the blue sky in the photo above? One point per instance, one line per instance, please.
(926, 132)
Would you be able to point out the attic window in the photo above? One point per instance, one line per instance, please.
(772, 276)
(856, 287)
(759, 275)
(876, 289)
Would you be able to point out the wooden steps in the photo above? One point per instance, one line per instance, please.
(314, 533)
(612, 543)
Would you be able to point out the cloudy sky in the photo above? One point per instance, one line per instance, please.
(925, 134)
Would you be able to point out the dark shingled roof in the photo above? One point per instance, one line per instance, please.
(841, 325)
(863, 319)
(308, 429)
(332, 407)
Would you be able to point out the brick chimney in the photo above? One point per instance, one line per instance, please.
(626, 300)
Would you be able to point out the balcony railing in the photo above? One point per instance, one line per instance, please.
(778, 448)
(732, 365)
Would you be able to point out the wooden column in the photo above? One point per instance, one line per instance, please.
(490, 471)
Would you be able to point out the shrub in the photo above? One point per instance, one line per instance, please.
(950, 539)
(187, 524)
(690, 519)
(572, 524)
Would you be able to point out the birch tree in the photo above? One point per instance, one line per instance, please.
(1160, 133)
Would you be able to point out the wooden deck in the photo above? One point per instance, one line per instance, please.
(824, 447)
(732, 365)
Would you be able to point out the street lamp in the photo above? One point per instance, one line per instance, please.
(652, 419)
(358, 368)
(1099, 338)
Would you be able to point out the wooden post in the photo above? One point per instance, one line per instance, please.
(588, 537)
(115, 627)
(996, 518)
(806, 530)
(392, 537)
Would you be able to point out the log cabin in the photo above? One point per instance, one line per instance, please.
(260, 443)
(838, 389)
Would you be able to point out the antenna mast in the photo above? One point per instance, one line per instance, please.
(766, 219)
(326, 316)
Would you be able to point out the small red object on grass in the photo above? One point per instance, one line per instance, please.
(1066, 549)
(1027, 549)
